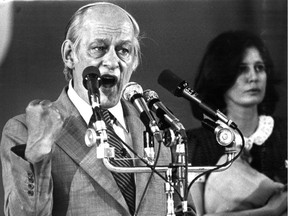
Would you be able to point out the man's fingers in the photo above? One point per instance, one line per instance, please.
(44, 108)
(34, 102)
(57, 112)
(45, 103)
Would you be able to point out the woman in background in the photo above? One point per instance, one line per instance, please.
(236, 76)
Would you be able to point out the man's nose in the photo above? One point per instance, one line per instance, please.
(111, 59)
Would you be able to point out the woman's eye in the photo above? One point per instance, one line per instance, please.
(259, 68)
(243, 69)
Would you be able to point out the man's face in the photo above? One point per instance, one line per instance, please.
(106, 42)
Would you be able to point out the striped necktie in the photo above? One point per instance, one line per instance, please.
(125, 181)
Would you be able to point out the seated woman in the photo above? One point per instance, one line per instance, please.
(236, 76)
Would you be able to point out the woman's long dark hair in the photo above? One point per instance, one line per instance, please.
(219, 70)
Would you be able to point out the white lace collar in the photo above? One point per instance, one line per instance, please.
(262, 133)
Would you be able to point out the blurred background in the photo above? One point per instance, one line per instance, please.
(175, 34)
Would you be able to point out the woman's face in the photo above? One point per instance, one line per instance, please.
(249, 87)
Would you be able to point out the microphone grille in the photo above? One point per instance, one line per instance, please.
(91, 71)
(130, 89)
(150, 95)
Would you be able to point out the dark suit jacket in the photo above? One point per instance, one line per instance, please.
(72, 181)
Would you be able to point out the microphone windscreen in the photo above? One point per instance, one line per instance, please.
(150, 95)
(169, 80)
(88, 73)
(131, 89)
(90, 70)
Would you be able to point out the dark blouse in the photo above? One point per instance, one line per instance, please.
(269, 158)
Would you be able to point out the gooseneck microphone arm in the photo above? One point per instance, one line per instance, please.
(165, 115)
(133, 92)
(97, 133)
(185, 91)
(180, 88)
(161, 111)
(92, 82)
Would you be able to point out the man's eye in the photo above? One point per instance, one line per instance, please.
(259, 68)
(99, 49)
(124, 52)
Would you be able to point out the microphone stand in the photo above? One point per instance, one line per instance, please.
(180, 176)
(149, 153)
(174, 138)
(169, 190)
(170, 182)
(182, 169)
(97, 135)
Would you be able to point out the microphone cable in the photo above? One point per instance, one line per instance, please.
(153, 170)
(222, 165)
(149, 180)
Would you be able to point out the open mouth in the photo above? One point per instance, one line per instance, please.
(108, 81)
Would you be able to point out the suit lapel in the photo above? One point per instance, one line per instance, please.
(71, 140)
(136, 129)
(134, 125)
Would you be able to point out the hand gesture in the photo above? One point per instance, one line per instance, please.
(44, 123)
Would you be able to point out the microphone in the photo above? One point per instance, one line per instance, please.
(97, 134)
(180, 88)
(224, 136)
(132, 92)
(92, 82)
(161, 111)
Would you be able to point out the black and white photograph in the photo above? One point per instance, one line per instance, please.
(143, 107)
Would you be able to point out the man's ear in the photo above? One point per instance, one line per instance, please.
(67, 54)
(135, 64)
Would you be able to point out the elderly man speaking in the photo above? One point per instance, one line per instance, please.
(47, 167)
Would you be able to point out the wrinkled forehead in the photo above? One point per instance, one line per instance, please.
(108, 15)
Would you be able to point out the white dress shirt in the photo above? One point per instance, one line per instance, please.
(85, 111)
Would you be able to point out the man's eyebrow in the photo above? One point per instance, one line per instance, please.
(106, 40)
(100, 40)
(126, 42)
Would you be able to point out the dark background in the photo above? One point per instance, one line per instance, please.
(175, 34)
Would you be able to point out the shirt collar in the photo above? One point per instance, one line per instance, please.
(262, 133)
(85, 109)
